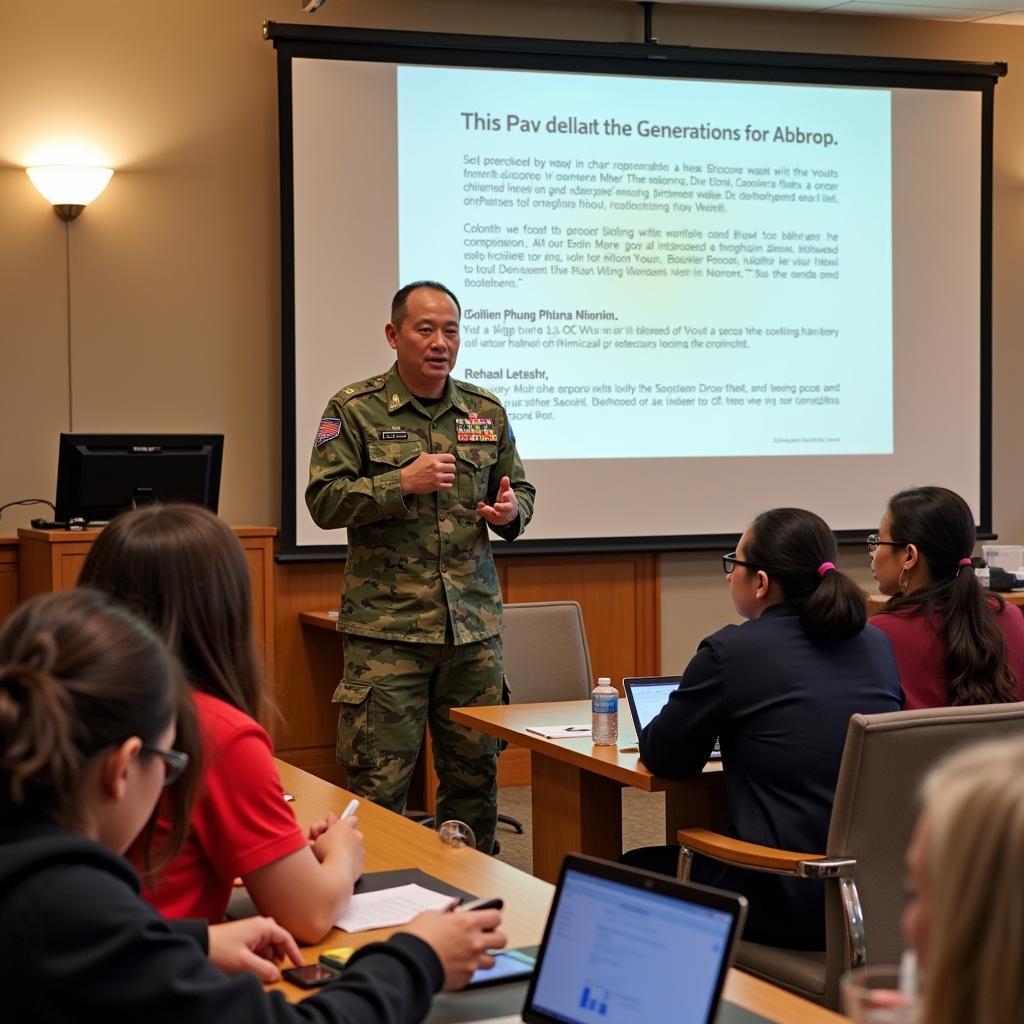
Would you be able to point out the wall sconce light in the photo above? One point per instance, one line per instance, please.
(69, 189)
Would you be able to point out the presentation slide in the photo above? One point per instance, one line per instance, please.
(653, 268)
(697, 298)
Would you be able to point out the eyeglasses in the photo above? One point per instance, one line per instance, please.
(730, 561)
(873, 542)
(175, 762)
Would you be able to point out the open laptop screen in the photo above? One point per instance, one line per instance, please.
(625, 953)
(647, 696)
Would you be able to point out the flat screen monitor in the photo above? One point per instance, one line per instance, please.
(100, 475)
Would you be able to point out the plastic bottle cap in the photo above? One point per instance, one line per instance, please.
(604, 681)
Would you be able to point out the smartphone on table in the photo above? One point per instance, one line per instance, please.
(309, 975)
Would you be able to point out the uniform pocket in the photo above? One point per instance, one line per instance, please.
(393, 454)
(475, 461)
(357, 740)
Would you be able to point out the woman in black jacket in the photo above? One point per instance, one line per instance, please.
(779, 691)
(88, 699)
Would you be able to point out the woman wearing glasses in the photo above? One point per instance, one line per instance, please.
(954, 642)
(183, 570)
(779, 691)
(88, 699)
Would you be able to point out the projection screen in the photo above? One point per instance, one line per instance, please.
(703, 283)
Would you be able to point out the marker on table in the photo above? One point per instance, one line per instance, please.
(350, 810)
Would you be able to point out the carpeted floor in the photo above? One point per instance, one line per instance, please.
(643, 823)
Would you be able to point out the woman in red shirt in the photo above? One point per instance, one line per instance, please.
(955, 643)
(183, 570)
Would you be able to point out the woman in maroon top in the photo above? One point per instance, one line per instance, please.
(955, 643)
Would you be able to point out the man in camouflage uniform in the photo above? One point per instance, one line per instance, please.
(417, 465)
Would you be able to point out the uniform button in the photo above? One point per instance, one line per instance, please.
(442, 517)
(437, 447)
(444, 567)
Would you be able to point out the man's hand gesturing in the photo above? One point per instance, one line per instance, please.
(505, 507)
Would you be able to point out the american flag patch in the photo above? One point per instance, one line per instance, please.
(327, 431)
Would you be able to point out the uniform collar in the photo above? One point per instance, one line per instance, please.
(399, 396)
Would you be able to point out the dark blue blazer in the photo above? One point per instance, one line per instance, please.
(781, 704)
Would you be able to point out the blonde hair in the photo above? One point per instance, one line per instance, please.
(974, 854)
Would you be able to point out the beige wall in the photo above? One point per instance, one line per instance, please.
(174, 271)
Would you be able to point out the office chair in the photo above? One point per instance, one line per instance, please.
(546, 657)
(884, 761)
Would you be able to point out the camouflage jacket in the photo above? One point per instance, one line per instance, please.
(414, 561)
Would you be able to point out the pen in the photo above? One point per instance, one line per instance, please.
(577, 728)
(350, 810)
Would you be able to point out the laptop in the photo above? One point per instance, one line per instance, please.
(625, 946)
(647, 695)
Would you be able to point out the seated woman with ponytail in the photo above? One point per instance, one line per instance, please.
(778, 691)
(88, 702)
(955, 644)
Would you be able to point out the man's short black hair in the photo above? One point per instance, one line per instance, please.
(398, 302)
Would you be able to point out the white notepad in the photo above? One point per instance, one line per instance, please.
(387, 908)
(560, 732)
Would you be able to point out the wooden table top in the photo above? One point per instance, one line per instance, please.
(320, 620)
(394, 842)
(510, 722)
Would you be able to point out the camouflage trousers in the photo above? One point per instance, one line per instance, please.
(390, 692)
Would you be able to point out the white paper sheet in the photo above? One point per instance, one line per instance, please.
(560, 732)
(389, 907)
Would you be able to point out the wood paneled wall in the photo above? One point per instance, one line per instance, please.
(619, 595)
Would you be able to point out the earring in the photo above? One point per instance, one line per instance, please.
(901, 582)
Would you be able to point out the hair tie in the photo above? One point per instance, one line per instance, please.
(963, 562)
(826, 567)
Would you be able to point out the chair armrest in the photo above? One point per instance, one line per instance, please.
(762, 858)
(742, 854)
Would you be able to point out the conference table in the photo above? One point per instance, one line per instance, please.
(576, 786)
(394, 842)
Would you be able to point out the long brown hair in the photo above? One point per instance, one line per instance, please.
(184, 571)
(941, 525)
(79, 674)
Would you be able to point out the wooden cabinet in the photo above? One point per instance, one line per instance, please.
(49, 560)
(8, 575)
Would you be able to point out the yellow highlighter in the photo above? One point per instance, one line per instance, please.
(337, 957)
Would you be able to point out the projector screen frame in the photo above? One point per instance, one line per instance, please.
(450, 50)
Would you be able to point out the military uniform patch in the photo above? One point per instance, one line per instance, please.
(394, 435)
(327, 431)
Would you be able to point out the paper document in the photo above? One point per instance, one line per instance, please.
(389, 907)
(560, 732)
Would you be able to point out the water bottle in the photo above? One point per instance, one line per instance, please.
(604, 713)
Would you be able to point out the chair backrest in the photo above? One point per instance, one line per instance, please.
(545, 651)
(876, 804)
